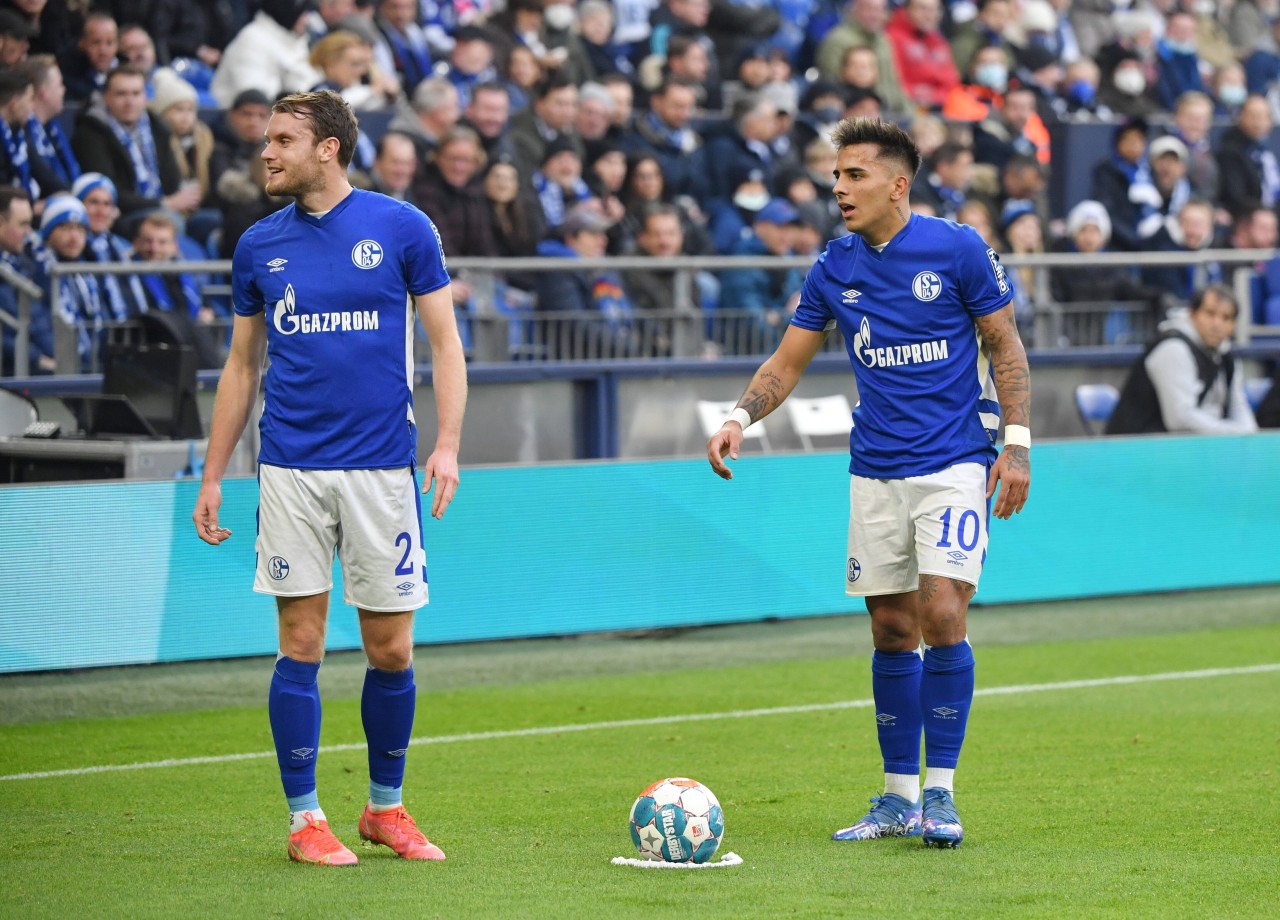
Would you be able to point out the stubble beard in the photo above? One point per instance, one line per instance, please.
(284, 186)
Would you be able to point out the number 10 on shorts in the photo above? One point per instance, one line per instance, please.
(968, 529)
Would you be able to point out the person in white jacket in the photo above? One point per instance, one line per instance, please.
(1188, 380)
(269, 54)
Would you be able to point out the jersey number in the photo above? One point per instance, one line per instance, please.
(406, 567)
(965, 544)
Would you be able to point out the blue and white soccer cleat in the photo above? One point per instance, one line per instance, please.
(890, 816)
(941, 823)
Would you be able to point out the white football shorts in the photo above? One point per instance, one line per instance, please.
(900, 529)
(371, 518)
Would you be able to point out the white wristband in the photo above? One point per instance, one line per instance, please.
(1017, 436)
(741, 416)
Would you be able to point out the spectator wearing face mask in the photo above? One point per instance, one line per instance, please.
(985, 30)
(1080, 100)
(987, 77)
(1126, 91)
(1179, 64)
(1229, 90)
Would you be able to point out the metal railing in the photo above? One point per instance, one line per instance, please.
(496, 331)
(27, 291)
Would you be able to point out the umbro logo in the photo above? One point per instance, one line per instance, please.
(302, 753)
(945, 712)
(851, 296)
(884, 718)
(276, 265)
(399, 752)
(405, 586)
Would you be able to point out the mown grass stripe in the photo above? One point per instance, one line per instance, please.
(1012, 689)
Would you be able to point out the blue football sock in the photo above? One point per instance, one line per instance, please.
(386, 708)
(293, 705)
(895, 684)
(946, 694)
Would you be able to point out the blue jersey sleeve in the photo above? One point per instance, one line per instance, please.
(983, 285)
(812, 312)
(246, 298)
(424, 264)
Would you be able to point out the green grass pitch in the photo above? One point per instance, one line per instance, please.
(1150, 798)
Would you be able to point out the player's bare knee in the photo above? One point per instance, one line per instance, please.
(897, 630)
(390, 656)
(301, 645)
(944, 623)
(944, 629)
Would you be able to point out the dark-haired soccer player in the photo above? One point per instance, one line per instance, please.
(924, 306)
(325, 289)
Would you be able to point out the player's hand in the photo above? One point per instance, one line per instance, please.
(1012, 471)
(442, 470)
(206, 514)
(725, 441)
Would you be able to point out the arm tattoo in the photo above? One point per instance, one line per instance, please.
(763, 396)
(1019, 459)
(1009, 365)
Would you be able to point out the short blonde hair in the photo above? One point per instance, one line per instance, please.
(332, 46)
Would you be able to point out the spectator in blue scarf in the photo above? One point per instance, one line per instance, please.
(63, 228)
(1247, 165)
(15, 158)
(1122, 182)
(123, 295)
(46, 141)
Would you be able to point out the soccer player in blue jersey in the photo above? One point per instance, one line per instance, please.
(327, 289)
(924, 306)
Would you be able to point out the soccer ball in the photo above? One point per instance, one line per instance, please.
(677, 820)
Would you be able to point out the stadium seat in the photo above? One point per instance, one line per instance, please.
(1256, 391)
(1095, 402)
(713, 412)
(821, 416)
(16, 413)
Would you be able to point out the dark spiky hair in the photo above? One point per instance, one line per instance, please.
(894, 143)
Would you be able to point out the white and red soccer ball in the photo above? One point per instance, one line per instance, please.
(677, 820)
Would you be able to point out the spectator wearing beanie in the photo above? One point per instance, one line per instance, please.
(63, 229)
(192, 140)
(122, 295)
(1089, 231)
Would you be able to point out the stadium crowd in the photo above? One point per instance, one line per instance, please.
(647, 127)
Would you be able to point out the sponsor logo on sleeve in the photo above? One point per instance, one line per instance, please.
(997, 269)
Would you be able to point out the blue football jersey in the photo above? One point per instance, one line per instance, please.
(340, 326)
(926, 393)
